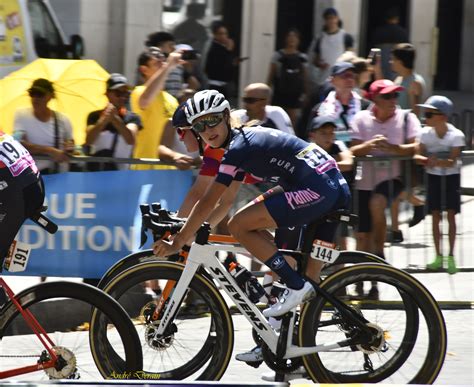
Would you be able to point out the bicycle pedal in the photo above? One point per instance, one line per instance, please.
(254, 364)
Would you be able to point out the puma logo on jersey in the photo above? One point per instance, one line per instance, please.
(286, 165)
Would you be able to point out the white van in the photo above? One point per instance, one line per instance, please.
(29, 30)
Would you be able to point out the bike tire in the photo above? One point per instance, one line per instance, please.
(425, 339)
(58, 307)
(217, 341)
(126, 263)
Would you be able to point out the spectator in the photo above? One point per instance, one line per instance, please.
(439, 150)
(43, 131)
(388, 35)
(331, 44)
(323, 133)
(178, 78)
(190, 31)
(289, 75)
(383, 130)
(343, 103)
(256, 101)
(402, 62)
(220, 60)
(403, 65)
(111, 131)
(154, 105)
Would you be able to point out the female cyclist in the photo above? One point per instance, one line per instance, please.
(309, 186)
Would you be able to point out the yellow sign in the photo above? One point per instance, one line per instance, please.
(12, 37)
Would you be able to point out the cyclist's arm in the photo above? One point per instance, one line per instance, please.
(224, 205)
(195, 193)
(200, 213)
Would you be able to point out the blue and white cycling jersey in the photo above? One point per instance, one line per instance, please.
(274, 156)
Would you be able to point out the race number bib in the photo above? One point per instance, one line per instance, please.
(316, 158)
(324, 251)
(17, 257)
(14, 155)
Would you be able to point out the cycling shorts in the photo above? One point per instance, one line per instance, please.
(308, 202)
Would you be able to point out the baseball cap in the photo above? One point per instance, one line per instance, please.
(440, 103)
(383, 86)
(320, 121)
(330, 12)
(117, 81)
(340, 67)
(183, 47)
(42, 85)
(179, 117)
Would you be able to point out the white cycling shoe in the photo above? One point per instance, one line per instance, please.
(289, 299)
(299, 373)
(252, 356)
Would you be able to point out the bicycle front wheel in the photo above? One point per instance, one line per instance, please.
(88, 330)
(200, 338)
(409, 342)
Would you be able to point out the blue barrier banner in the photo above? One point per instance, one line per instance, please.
(98, 217)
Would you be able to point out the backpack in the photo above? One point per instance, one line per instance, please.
(290, 80)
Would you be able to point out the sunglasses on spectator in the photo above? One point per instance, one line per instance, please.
(389, 96)
(251, 100)
(208, 122)
(121, 94)
(432, 114)
(36, 94)
(182, 131)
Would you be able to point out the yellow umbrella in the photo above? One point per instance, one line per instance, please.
(79, 88)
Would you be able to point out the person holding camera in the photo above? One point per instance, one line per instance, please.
(111, 131)
(180, 77)
(43, 131)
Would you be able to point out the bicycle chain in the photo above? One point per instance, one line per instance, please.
(20, 355)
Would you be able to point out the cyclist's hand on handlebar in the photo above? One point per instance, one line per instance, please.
(164, 248)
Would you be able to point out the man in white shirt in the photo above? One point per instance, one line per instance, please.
(256, 108)
(43, 131)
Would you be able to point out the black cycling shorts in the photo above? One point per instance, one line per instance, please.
(20, 198)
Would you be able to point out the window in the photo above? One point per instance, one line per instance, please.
(48, 41)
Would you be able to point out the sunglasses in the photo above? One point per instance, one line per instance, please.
(182, 131)
(208, 122)
(36, 94)
(389, 96)
(121, 94)
(432, 114)
(251, 100)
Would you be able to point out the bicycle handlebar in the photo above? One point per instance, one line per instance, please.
(163, 223)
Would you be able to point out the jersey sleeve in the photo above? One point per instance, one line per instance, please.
(211, 161)
(229, 168)
(459, 139)
(348, 41)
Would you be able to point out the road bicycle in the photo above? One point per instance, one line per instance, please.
(401, 338)
(64, 330)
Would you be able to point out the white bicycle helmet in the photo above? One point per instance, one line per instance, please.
(205, 102)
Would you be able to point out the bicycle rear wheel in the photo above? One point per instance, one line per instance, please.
(200, 341)
(411, 343)
(91, 333)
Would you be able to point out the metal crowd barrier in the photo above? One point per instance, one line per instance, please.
(417, 248)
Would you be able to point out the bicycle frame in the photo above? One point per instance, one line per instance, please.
(37, 330)
(204, 255)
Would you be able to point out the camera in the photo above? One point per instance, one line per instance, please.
(189, 55)
(373, 54)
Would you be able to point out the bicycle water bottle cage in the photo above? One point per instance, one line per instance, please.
(342, 216)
